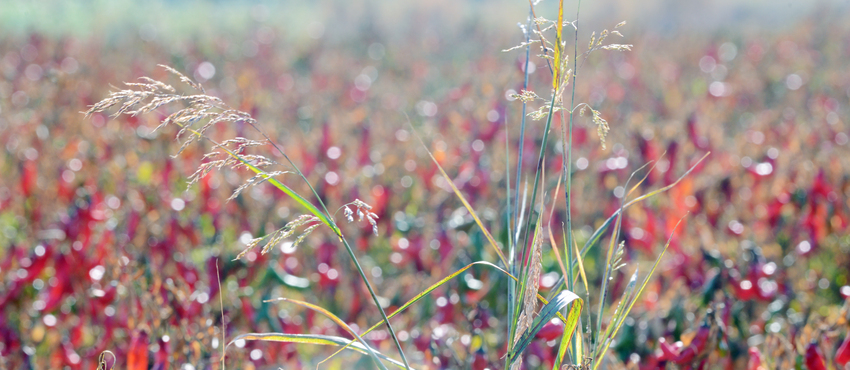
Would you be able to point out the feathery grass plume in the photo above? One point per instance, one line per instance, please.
(312, 222)
(364, 210)
(211, 110)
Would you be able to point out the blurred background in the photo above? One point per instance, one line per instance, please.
(103, 246)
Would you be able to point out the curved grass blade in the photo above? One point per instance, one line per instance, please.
(338, 321)
(601, 353)
(326, 340)
(609, 268)
(550, 310)
(440, 283)
(325, 217)
(619, 312)
(462, 199)
(597, 235)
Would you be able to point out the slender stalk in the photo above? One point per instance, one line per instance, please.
(511, 245)
(568, 168)
(522, 125)
(341, 237)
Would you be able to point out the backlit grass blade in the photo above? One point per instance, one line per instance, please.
(462, 200)
(619, 312)
(440, 283)
(325, 340)
(550, 310)
(609, 268)
(339, 322)
(601, 353)
(326, 219)
(581, 267)
(597, 235)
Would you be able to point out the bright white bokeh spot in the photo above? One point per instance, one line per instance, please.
(206, 70)
(718, 89)
(245, 238)
(256, 354)
(334, 152)
(75, 165)
(287, 247)
(332, 178)
(804, 246)
(96, 273)
(582, 163)
(178, 204)
(793, 81)
(478, 145)
(764, 168)
(49, 320)
(442, 302)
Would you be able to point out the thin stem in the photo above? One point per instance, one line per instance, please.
(568, 168)
(522, 126)
(341, 237)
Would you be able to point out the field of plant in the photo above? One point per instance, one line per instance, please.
(707, 173)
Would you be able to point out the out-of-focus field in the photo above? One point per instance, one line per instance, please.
(103, 246)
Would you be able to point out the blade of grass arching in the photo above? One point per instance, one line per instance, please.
(594, 238)
(609, 268)
(438, 284)
(645, 176)
(642, 287)
(550, 310)
(621, 305)
(462, 198)
(327, 220)
(336, 320)
(336, 229)
(318, 339)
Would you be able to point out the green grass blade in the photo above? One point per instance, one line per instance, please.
(597, 235)
(619, 312)
(550, 310)
(628, 309)
(327, 220)
(463, 200)
(609, 268)
(317, 339)
(339, 322)
(524, 107)
(442, 281)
